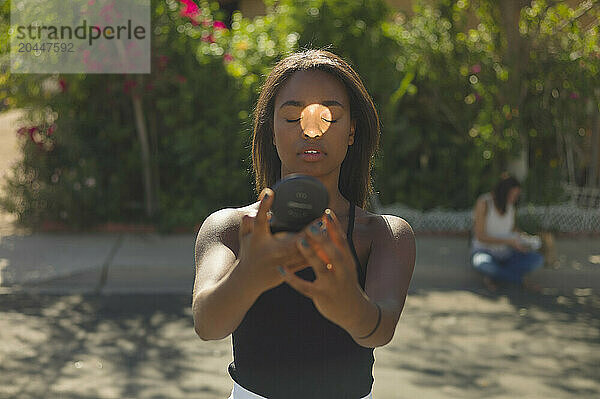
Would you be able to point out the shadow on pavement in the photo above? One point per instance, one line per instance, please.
(448, 343)
(137, 346)
(511, 343)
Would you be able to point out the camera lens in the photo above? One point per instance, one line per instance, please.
(299, 199)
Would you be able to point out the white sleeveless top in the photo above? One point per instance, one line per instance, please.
(497, 226)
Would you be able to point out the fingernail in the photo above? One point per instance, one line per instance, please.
(304, 243)
(266, 196)
(320, 223)
(328, 213)
(281, 271)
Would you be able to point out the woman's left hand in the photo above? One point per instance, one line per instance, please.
(335, 291)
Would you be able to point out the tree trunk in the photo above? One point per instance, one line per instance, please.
(595, 162)
(142, 133)
(519, 166)
(516, 55)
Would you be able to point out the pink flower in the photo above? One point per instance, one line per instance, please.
(219, 25)
(477, 97)
(32, 131)
(190, 10)
(51, 129)
(22, 131)
(209, 39)
(476, 68)
(107, 10)
(227, 57)
(89, 63)
(574, 96)
(63, 85)
(181, 78)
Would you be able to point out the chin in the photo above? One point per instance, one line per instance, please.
(312, 170)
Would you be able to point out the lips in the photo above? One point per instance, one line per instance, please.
(312, 151)
(312, 154)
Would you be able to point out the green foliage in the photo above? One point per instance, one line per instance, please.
(456, 105)
(484, 93)
(89, 170)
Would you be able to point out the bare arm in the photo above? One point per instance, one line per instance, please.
(389, 271)
(223, 290)
(236, 261)
(336, 292)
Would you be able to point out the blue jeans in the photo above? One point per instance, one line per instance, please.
(511, 268)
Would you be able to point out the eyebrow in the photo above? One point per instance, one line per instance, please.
(301, 104)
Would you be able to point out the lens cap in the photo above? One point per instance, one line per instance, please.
(299, 199)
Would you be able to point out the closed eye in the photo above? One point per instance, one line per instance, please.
(296, 120)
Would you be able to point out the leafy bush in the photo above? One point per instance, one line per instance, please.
(456, 107)
(82, 162)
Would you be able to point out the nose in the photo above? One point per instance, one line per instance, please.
(314, 119)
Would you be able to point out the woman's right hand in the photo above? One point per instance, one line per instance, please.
(261, 252)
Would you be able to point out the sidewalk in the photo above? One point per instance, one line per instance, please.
(154, 263)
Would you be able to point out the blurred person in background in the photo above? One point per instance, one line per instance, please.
(499, 250)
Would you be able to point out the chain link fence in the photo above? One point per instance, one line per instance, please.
(562, 218)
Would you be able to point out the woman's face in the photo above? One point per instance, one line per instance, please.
(513, 195)
(312, 125)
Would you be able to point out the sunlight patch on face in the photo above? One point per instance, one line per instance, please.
(315, 118)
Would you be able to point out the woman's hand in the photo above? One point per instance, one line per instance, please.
(335, 290)
(263, 252)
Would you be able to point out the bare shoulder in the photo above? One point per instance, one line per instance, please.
(391, 261)
(223, 226)
(387, 227)
(484, 197)
(481, 203)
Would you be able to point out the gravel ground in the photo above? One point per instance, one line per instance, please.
(461, 344)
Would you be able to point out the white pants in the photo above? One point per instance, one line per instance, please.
(239, 392)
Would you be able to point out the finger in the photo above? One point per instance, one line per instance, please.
(292, 259)
(247, 225)
(299, 284)
(315, 258)
(320, 241)
(296, 267)
(261, 223)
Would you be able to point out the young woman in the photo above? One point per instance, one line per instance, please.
(306, 310)
(498, 251)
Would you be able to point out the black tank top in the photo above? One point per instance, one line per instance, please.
(285, 349)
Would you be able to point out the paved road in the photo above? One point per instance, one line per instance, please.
(448, 344)
(136, 339)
